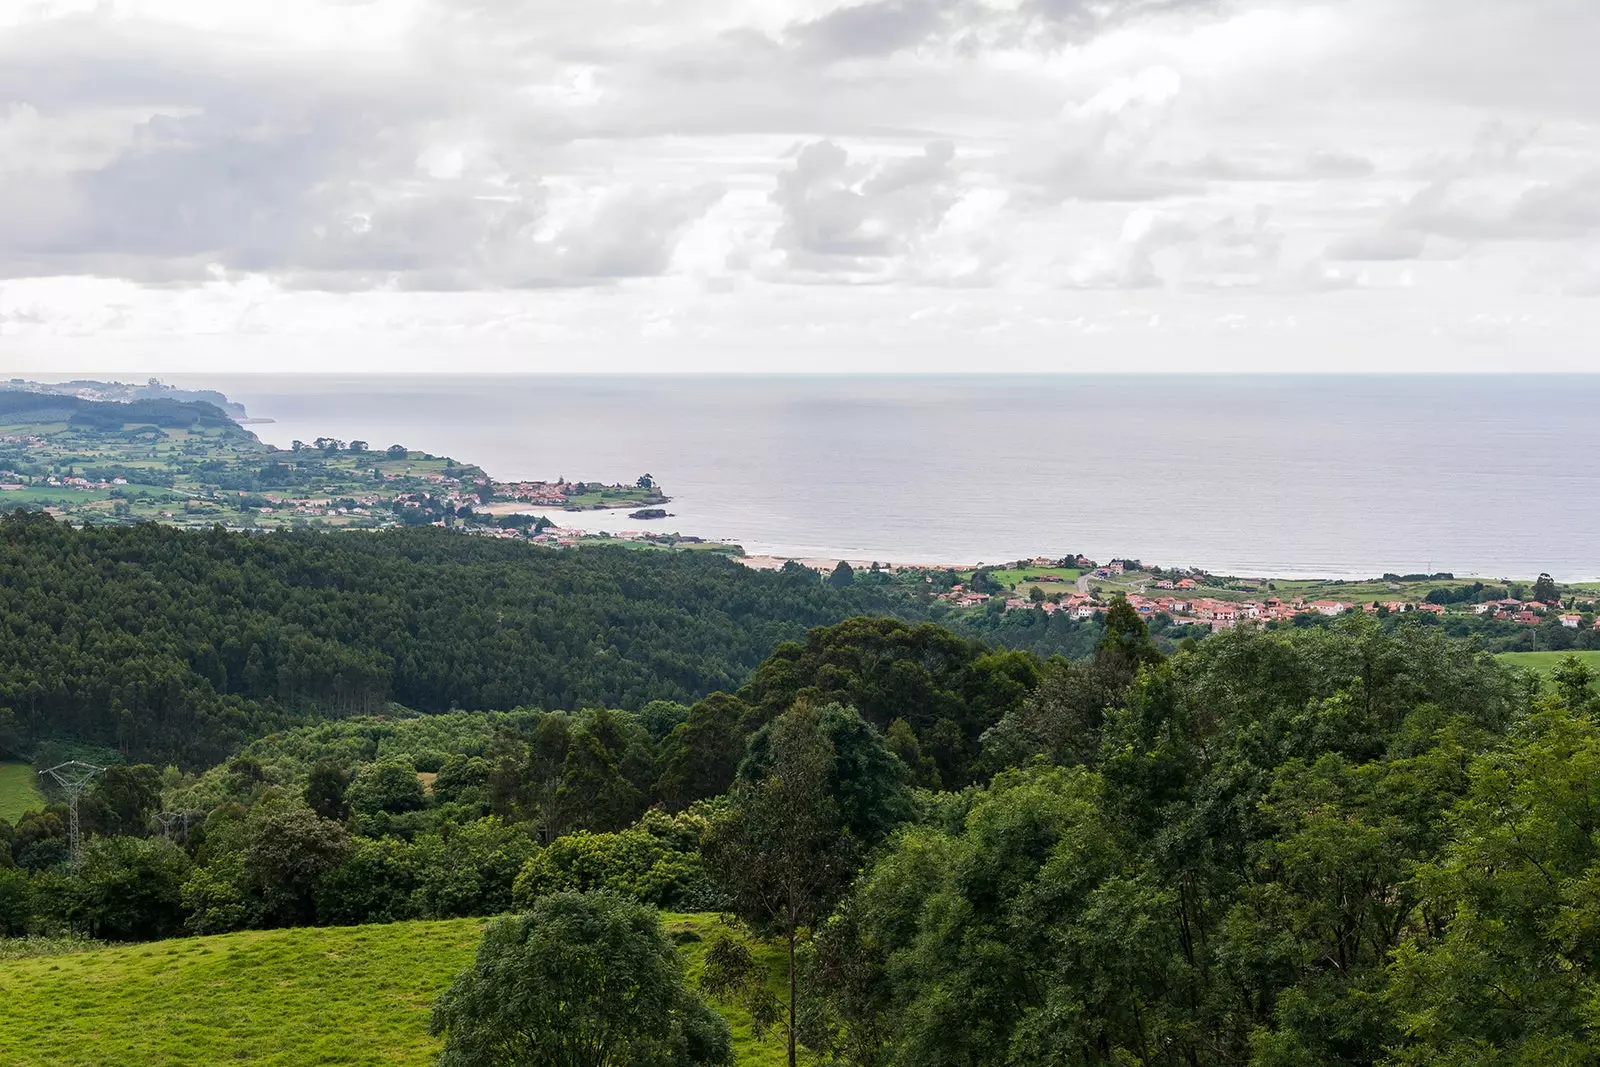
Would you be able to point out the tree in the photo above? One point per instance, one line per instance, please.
(286, 851)
(843, 575)
(358, 446)
(123, 799)
(646, 482)
(1544, 590)
(582, 980)
(325, 791)
(130, 889)
(388, 786)
(783, 851)
(1128, 636)
(1509, 963)
(701, 755)
(397, 452)
(902, 741)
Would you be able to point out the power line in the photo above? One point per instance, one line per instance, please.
(73, 777)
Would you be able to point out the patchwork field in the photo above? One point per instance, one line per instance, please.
(349, 995)
(19, 790)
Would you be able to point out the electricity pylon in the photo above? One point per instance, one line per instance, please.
(73, 777)
(170, 820)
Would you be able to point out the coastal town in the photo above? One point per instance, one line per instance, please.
(1186, 598)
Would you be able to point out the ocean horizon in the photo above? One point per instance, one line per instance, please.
(1272, 475)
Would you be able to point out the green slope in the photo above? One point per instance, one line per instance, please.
(351, 996)
(1545, 662)
(19, 791)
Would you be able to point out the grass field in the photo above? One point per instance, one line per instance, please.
(1545, 662)
(351, 996)
(19, 790)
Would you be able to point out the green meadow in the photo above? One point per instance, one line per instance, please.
(19, 790)
(1546, 662)
(358, 995)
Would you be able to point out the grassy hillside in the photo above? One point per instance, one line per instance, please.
(1545, 662)
(19, 791)
(351, 996)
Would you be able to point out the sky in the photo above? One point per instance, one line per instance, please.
(799, 185)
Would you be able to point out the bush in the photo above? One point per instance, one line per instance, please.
(657, 861)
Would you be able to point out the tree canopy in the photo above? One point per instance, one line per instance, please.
(581, 980)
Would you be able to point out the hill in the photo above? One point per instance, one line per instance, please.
(173, 645)
(279, 998)
(153, 389)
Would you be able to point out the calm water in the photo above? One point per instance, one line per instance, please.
(1247, 475)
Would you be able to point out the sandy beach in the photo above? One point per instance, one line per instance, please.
(823, 563)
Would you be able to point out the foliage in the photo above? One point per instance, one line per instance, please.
(1222, 877)
(174, 645)
(948, 690)
(1508, 960)
(656, 862)
(818, 789)
(582, 980)
(130, 889)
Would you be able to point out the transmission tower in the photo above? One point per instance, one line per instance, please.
(73, 777)
(173, 820)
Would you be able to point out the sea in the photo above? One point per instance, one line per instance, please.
(1493, 476)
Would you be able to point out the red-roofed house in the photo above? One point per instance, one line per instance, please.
(1571, 622)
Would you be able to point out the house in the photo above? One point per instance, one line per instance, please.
(1482, 609)
(1165, 583)
(1188, 583)
(1571, 622)
(1527, 618)
(1114, 568)
(1328, 607)
(1085, 611)
(1431, 609)
(1250, 610)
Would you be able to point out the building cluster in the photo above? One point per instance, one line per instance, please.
(12, 482)
(1530, 613)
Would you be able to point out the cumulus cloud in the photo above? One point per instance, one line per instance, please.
(860, 218)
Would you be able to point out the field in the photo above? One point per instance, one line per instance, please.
(19, 791)
(350, 995)
(1545, 662)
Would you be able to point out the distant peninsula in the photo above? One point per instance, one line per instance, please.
(99, 452)
(123, 392)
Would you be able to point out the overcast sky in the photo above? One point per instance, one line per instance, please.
(925, 185)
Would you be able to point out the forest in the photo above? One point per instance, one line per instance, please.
(167, 645)
(1357, 843)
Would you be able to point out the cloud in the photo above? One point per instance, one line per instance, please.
(1166, 249)
(861, 218)
(542, 149)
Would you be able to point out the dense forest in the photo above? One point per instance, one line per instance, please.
(176, 646)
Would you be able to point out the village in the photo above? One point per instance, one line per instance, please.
(1184, 600)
